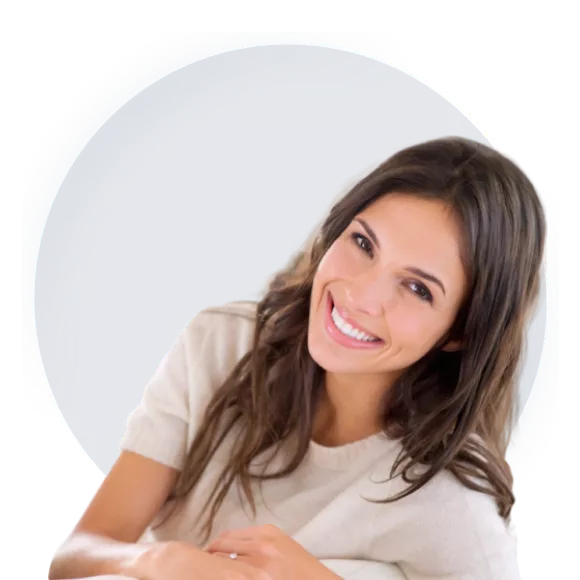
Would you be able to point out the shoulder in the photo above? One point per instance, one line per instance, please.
(445, 497)
(228, 320)
(218, 336)
(239, 310)
(460, 531)
(165, 423)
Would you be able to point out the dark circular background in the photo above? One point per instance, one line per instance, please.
(193, 194)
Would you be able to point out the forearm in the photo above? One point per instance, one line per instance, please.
(85, 555)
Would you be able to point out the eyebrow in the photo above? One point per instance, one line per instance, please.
(427, 276)
(413, 270)
(369, 231)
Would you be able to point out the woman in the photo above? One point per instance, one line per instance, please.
(359, 412)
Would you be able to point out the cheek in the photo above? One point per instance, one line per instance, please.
(414, 327)
(335, 266)
(330, 263)
(326, 272)
(340, 261)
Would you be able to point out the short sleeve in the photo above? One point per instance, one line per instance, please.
(158, 427)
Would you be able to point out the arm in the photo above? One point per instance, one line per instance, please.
(104, 540)
(153, 451)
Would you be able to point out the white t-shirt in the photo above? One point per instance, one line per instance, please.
(442, 531)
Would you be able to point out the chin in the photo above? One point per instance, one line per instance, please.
(328, 359)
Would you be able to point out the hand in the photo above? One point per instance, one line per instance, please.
(185, 561)
(269, 549)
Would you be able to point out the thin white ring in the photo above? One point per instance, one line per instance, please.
(233, 555)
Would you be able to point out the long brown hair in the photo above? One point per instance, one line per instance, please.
(450, 410)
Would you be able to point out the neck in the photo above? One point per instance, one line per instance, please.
(350, 408)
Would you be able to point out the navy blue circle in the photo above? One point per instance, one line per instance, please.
(189, 195)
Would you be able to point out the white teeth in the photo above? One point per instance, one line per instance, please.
(348, 330)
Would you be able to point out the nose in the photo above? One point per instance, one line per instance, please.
(370, 293)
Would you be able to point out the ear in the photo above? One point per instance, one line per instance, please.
(452, 346)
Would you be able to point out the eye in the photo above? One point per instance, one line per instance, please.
(421, 291)
(364, 243)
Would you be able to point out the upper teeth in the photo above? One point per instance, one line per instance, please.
(347, 329)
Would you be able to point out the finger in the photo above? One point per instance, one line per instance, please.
(229, 545)
(239, 558)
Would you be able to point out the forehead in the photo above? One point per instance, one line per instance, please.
(423, 232)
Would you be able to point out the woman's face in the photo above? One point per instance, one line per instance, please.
(388, 289)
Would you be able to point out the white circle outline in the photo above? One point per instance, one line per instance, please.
(87, 464)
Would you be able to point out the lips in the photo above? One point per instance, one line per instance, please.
(341, 338)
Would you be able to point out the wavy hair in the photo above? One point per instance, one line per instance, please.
(450, 410)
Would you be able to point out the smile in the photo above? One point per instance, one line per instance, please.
(345, 333)
(349, 330)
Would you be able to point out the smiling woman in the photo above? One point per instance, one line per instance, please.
(380, 288)
(371, 296)
(374, 385)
